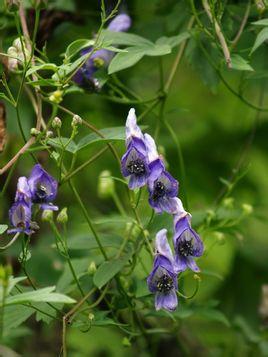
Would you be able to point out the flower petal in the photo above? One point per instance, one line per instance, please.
(162, 245)
(121, 22)
(166, 301)
(132, 129)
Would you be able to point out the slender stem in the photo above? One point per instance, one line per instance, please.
(91, 226)
(66, 251)
(118, 204)
(242, 26)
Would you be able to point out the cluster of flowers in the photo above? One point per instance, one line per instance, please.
(143, 165)
(40, 188)
(84, 77)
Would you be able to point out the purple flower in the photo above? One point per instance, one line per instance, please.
(84, 77)
(163, 188)
(187, 244)
(163, 280)
(20, 216)
(43, 188)
(134, 163)
(23, 190)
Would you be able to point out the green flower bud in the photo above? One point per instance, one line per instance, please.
(56, 123)
(62, 217)
(49, 134)
(12, 5)
(98, 62)
(92, 268)
(77, 120)
(247, 209)
(126, 342)
(105, 184)
(34, 132)
(56, 96)
(91, 316)
(47, 215)
(228, 202)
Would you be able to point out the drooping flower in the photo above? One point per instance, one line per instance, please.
(20, 216)
(134, 163)
(187, 244)
(23, 190)
(84, 77)
(163, 188)
(162, 281)
(43, 188)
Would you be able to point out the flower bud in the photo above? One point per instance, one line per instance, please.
(12, 5)
(260, 5)
(49, 134)
(91, 316)
(126, 342)
(56, 123)
(247, 209)
(62, 217)
(12, 60)
(34, 132)
(98, 62)
(47, 215)
(56, 96)
(197, 277)
(228, 202)
(77, 120)
(105, 184)
(92, 268)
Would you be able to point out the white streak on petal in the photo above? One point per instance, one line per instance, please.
(151, 148)
(132, 129)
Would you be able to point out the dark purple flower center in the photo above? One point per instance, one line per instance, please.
(40, 194)
(159, 190)
(136, 167)
(185, 248)
(165, 283)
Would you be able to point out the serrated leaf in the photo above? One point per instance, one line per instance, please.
(262, 36)
(3, 228)
(240, 64)
(40, 295)
(107, 270)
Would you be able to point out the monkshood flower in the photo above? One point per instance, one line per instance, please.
(134, 163)
(20, 216)
(23, 190)
(187, 244)
(84, 77)
(163, 188)
(43, 188)
(162, 281)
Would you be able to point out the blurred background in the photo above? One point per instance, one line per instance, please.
(218, 134)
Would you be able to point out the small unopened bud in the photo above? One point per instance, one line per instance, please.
(105, 184)
(56, 123)
(49, 134)
(247, 209)
(260, 5)
(220, 237)
(91, 316)
(92, 268)
(62, 217)
(34, 132)
(47, 215)
(98, 62)
(126, 342)
(12, 59)
(77, 120)
(197, 277)
(228, 202)
(56, 96)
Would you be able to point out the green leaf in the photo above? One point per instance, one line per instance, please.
(11, 283)
(85, 241)
(122, 38)
(240, 64)
(262, 36)
(109, 134)
(44, 66)
(3, 228)
(108, 270)
(173, 40)
(157, 50)
(263, 22)
(40, 295)
(126, 60)
(15, 317)
(60, 142)
(77, 46)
